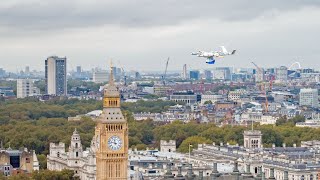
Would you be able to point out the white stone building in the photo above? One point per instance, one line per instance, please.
(282, 74)
(25, 88)
(252, 139)
(83, 163)
(309, 97)
(168, 146)
(211, 97)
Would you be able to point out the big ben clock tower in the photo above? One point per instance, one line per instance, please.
(111, 135)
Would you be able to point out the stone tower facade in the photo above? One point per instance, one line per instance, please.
(75, 150)
(168, 146)
(252, 139)
(111, 135)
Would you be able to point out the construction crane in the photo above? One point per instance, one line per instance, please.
(165, 72)
(259, 69)
(263, 88)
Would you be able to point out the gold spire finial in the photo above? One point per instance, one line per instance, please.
(111, 80)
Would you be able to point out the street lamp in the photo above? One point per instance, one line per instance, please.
(190, 145)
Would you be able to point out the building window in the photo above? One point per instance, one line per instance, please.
(76, 145)
(27, 160)
(77, 154)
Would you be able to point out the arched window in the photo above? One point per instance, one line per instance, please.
(76, 145)
(77, 154)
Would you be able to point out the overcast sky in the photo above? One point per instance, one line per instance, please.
(141, 34)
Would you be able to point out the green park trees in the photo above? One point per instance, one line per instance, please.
(34, 124)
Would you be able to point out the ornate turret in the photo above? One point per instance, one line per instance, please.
(111, 102)
(75, 149)
(111, 95)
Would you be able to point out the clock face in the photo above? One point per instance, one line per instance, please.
(114, 143)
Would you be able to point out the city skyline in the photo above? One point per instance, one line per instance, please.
(141, 35)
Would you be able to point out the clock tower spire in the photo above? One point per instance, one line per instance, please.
(111, 135)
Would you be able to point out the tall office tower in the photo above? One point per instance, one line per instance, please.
(184, 72)
(309, 97)
(79, 69)
(56, 75)
(27, 70)
(2, 72)
(195, 75)
(260, 75)
(24, 88)
(222, 73)
(207, 74)
(282, 74)
(111, 136)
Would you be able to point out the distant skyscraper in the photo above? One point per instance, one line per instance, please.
(309, 97)
(260, 75)
(222, 73)
(27, 70)
(56, 75)
(184, 72)
(207, 74)
(137, 75)
(79, 69)
(2, 72)
(195, 75)
(282, 74)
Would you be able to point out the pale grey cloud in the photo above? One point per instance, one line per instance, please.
(54, 15)
(142, 34)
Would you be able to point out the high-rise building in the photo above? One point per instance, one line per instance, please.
(137, 75)
(260, 75)
(27, 70)
(79, 69)
(184, 74)
(2, 72)
(195, 75)
(309, 97)
(207, 74)
(282, 74)
(56, 75)
(223, 73)
(111, 134)
(25, 88)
